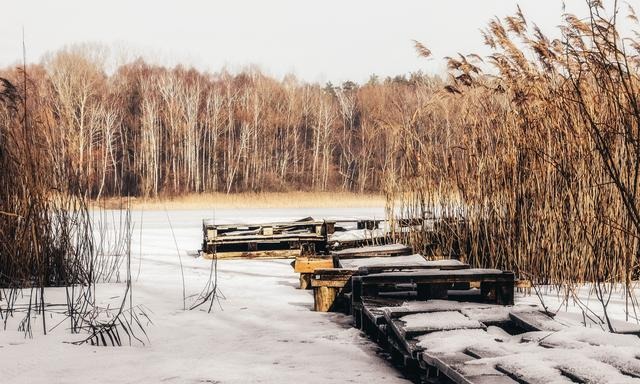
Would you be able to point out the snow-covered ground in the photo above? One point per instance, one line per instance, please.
(261, 331)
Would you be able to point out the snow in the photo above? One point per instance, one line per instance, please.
(538, 357)
(411, 260)
(357, 235)
(372, 248)
(438, 305)
(438, 272)
(454, 340)
(619, 308)
(496, 313)
(263, 330)
(439, 320)
(399, 261)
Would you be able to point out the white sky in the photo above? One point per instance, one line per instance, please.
(330, 40)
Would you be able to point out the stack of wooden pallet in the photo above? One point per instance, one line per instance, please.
(461, 342)
(442, 322)
(266, 240)
(410, 276)
(326, 276)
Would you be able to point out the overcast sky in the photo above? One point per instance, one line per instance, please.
(329, 40)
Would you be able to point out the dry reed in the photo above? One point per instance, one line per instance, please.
(534, 168)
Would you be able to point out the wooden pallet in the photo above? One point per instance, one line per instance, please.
(305, 266)
(476, 356)
(266, 240)
(351, 267)
(327, 284)
(388, 250)
(495, 286)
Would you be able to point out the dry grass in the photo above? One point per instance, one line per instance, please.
(48, 236)
(256, 200)
(536, 168)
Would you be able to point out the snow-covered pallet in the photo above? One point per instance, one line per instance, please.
(322, 277)
(358, 238)
(372, 251)
(374, 265)
(266, 240)
(495, 286)
(486, 343)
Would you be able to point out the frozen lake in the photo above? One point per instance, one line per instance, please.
(262, 331)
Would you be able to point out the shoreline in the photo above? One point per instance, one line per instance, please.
(296, 199)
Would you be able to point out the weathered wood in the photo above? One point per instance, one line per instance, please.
(388, 250)
(399, 268)
(275, 254)
(481, 361)
(242, 239)
(370, 265)
(496, 286)
(520, 378)
(328, 283)
(323, 298)
(309, 264)
(332, 274)
(434, 306)
(432, 291)
(305, 281)
(440, 276)
(536, 321)
(404, 332)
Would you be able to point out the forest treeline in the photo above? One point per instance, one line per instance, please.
(146, 130)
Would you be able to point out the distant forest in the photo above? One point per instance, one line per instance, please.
(146, 130)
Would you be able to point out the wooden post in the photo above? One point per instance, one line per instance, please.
(324, 298)
(305, 281)
(326, 283)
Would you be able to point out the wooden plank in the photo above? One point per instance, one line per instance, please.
(434, 306)
(406, 332)
(332, 274)
(275, 254)
(444, 362)
(279, 224)
(439, 276)
(399, 268)
(328, 283)
(265, 239)
(484, 353)
(330, 277)
(476, 372)
(410, 262)
(310, 264)
(388, 250)
(519, 377)
(535, 321)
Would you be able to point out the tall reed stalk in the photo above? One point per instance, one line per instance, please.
(535, 166)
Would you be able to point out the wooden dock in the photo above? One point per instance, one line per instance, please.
(305, 237)
(461, 342)
(444, 322)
